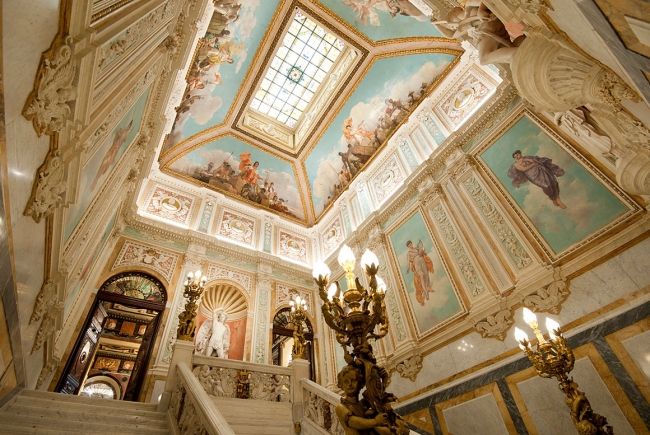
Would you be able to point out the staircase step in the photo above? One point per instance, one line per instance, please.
(89, 414)
(261, 430)
(101, 407)
(36, 424)
(58, 397)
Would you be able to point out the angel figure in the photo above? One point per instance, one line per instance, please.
(214, 335)
(365, 11)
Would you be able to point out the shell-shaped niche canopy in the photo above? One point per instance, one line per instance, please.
(226, 295)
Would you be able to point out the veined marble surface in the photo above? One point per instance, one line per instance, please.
(477, 416)
(639, 349)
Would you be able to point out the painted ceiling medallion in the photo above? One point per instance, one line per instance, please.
(171, 204)
(295, 74)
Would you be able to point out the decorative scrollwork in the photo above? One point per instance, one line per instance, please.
(549, 298)
(48, 190)
(495, 325)
(410, 367)
(224, 382)
(48, 106)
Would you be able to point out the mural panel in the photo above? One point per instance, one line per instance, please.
(238, 227)
(391, 89)
(564, 201)
(222, 58)
(236, 168)
(430, 294)
(383, 19)
(170, 204)
(101, 164)
(293, 246)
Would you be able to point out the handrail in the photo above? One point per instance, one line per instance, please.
(199, 360)
(210, 417)
(319, 409)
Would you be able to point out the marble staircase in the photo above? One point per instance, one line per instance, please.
(253, 417)
(38, 412)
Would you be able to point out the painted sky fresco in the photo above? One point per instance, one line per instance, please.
(222, 59)
(383, 19)
(589, 205)
(229, 165)
(101, 164)
(437, 302)
(390, 90)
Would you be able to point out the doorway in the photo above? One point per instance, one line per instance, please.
(111, 354)
(283, 341)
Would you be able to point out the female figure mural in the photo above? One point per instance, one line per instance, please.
(421, 265)
(540, 171)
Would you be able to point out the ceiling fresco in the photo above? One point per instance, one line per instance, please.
(367, 94)
(383, 19)
(388, 93)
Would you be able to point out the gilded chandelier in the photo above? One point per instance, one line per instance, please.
(297, 316)
(194, 284)
(554, 359)
(357, 315)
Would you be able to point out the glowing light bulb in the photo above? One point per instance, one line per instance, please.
(321, 270)
(552, 326)
(381, 285)
(331, 291)
(346, 256)
(520, 336)
(529, 316)
(369, 259)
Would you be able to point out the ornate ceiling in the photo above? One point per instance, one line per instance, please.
(384, 58)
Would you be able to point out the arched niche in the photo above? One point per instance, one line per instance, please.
(234, 299)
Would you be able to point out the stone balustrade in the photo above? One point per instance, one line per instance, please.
(191, 411)
(319, 410)
(243, 380)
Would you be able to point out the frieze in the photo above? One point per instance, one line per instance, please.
(284, 294)
(170, 205)
(293, 246)
(243, 279)
(135, 254)
(237, 227)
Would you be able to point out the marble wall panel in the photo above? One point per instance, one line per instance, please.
(639, 349)
(544, 405)
(237, 227)
(169, 204)
(479, 415)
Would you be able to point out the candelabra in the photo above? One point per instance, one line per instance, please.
(297, 316)
(358, 315)
(194, 284)
(554, 359)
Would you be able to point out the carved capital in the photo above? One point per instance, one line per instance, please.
(549, 298)
(460, 167)
(496, 325)
(410, 367)
(611, 90)
(48, 105)
(48, 190)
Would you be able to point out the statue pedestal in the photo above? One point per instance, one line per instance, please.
(300, 370)
(183, 351)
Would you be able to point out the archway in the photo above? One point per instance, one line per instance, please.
(117, 337)
(283, 341)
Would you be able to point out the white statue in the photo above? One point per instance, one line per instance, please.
(213, 338)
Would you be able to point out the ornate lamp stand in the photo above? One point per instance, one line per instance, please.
(194, 284)
(297, 316)
(554, 359)
(358, 315)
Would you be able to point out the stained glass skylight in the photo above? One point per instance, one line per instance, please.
(300, 65)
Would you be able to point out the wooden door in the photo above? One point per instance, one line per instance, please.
(82, 355)
(140, 367)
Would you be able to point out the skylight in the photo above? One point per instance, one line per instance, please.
(300, 65)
